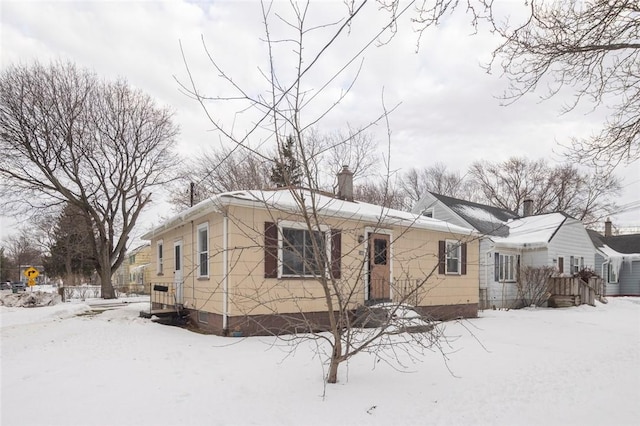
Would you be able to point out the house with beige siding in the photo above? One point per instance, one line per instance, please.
(253, 262)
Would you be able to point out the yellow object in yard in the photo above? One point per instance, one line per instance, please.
(31, 273)
(31, 282)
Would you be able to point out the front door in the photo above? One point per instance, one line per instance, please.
(379, 267)
(177, 271)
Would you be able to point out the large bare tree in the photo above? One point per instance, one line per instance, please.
(591, 48)
(585, 196)
(69, 137)
(438, 179)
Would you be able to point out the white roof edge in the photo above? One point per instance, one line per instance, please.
(388, 217)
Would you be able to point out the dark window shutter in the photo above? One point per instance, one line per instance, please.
(441, 257)
(270, 250)
(496, 267)
(463, 260)
(336, 252)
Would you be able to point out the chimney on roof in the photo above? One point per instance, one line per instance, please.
(607, 227)
(345, 184)
(527, 207)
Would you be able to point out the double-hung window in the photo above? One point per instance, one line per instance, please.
(453, 254)
(576, 264)
(611, 273)
(203, 250)
(506, 266)
(303, 253)
(160, 255)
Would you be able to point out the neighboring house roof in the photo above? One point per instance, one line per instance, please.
(487, 220)
(596, 238)
(326, 205)
(626, 244)
(532, 231)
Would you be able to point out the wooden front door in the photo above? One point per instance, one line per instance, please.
(379, 267)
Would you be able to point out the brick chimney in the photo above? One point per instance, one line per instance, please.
(607, 228)
(527, 207)
(345, 184)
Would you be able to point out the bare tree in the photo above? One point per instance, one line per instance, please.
(587, 197)
(23, 250)
(436, 178)
(219, 170)
(69, 137)
(284, 109)
(590, 47)
(381, 193)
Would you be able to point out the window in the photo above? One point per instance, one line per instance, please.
(160, 258)
(293, 250)
(203, 317)
(203, 250)
(506, 267)
(299, 255)
(132, 259)
(610, 272)
(428, 213)
(561, 264)
(380, 251)
(452, 257)
(576, 264)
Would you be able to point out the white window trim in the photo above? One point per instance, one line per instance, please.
(606, 273)
(447, 257)
(159, 259)
(514, 265)
(302, 226)
(202, 226)
(576, 264)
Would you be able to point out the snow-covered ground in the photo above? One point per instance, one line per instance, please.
(61, 365)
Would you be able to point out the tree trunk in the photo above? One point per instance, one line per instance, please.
(106, 286)
(335, 359)
(105, 278)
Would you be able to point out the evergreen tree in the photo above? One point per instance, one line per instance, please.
(70, 254)
(286, 170)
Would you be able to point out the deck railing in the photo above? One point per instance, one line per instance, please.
(578, 291)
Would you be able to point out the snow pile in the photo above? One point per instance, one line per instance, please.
(30, 299)
(573, 366)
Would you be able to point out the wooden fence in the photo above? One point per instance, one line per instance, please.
(573, 291)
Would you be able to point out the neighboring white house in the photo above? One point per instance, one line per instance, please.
(509, 242)
(618, 260)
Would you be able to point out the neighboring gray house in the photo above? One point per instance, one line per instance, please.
(509, 242)
(618, 260)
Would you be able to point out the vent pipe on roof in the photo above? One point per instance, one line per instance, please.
(345, 184)
(607, 228)
(527, 208)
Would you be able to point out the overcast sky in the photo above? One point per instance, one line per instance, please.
(448, 110)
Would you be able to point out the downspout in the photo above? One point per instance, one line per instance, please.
(193, 260)
(225, 274)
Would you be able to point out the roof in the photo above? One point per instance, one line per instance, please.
(625, 244)
(328, 206)
(532, 231)
(596, 238)
(486, 219)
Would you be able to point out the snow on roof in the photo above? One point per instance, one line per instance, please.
(290, 201)
(478, 213)
(488, 220)
(531, 231)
